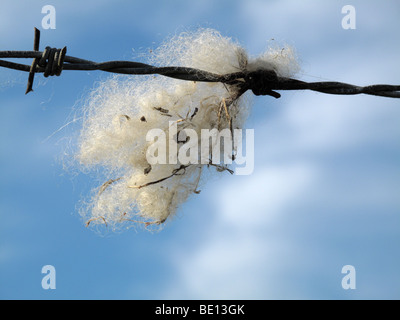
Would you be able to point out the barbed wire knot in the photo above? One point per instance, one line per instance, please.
(261, 82)
(52, 61)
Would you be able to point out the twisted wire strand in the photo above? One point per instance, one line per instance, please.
(53, 61)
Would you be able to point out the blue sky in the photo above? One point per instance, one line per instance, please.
(325, 191)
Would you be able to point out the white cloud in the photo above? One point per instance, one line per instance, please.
(256, 200)
(331, 123)
(229, 261)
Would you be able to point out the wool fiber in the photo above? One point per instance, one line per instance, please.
(120, 111)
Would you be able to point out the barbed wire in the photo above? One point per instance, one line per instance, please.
(53, 61)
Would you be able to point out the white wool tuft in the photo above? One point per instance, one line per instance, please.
(121, 110)
(282, 60)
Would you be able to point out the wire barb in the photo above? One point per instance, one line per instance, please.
(52, 61)
(31, 76)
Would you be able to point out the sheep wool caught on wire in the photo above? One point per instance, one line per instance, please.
(120, 111)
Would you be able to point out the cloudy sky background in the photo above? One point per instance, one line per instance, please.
(325, 191)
